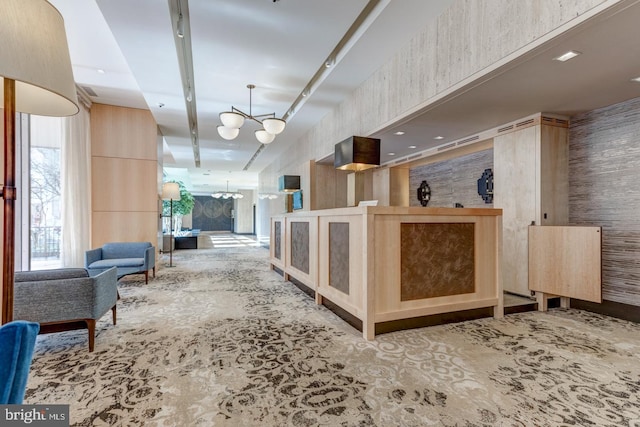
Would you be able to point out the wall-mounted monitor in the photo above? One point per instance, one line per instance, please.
(297, 200)
(289, 183)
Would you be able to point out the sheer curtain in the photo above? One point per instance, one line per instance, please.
(76, 188)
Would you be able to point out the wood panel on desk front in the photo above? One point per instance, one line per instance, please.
(309, 243)
(388, 302)
(352, 302)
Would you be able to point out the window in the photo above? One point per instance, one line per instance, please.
(44, 192)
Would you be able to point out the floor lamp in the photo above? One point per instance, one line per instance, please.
(36, 74)
(171, 192)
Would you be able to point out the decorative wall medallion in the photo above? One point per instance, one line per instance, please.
(424, 193)
(485, 186)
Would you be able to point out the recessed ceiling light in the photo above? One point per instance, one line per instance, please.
(160, 104)
(439, 137)
(400, 132)
(392, 154)
(567, 56)
(636, 79)
(100, 71)
(413, 146)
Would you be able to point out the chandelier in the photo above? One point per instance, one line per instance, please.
(233, 120)
(227, 194)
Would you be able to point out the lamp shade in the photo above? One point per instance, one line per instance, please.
(228, 133)
(264, 137)
(35, 54)
(274, 126)
(232, 119)
(289, 183)
(170, 191)
(357, 153)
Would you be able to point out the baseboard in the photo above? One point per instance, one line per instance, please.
(610, 308)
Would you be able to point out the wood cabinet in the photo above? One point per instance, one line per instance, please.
(530, 186)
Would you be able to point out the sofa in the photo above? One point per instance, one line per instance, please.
(127, 257)
(65, 299)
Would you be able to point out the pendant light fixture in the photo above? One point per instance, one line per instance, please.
(357, 153)
(233, 120)
(227, 194)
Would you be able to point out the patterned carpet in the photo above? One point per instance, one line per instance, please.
(220, 340)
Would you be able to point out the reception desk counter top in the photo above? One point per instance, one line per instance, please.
(389, 263)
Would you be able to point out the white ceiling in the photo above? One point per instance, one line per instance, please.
(279, 45)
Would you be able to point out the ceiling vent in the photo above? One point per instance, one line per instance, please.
(525, 123)
(471, 139)
(446, 147)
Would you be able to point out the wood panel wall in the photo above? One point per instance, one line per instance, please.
(124, 178)
(604, 177)
(453, 180)
(328, 187)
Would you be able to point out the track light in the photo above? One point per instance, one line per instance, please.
(180, 27)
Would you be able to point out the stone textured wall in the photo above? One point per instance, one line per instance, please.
(604, 190)
(452, 181)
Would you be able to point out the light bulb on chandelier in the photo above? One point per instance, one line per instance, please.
(227, 132)
(264, 137)
(233, 120)
(227, 194)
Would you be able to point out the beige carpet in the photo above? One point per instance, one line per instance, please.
(220, 340)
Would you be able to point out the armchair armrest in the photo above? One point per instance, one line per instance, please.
(105, 291)
(92, 256)
(149, 258)
(65, 299)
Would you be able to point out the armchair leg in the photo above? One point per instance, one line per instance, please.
(154, 272)
(113, 311)
(146, 277)
(91, 326)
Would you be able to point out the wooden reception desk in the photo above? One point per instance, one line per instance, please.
(389, 263)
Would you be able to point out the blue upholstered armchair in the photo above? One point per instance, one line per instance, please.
(128, 257)
(17, 340)
(65, 299)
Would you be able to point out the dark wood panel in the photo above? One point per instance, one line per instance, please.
(604, 177)
(277, 239)
(436, 260)
(452, 181)
(300, 246)
(339, 256)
